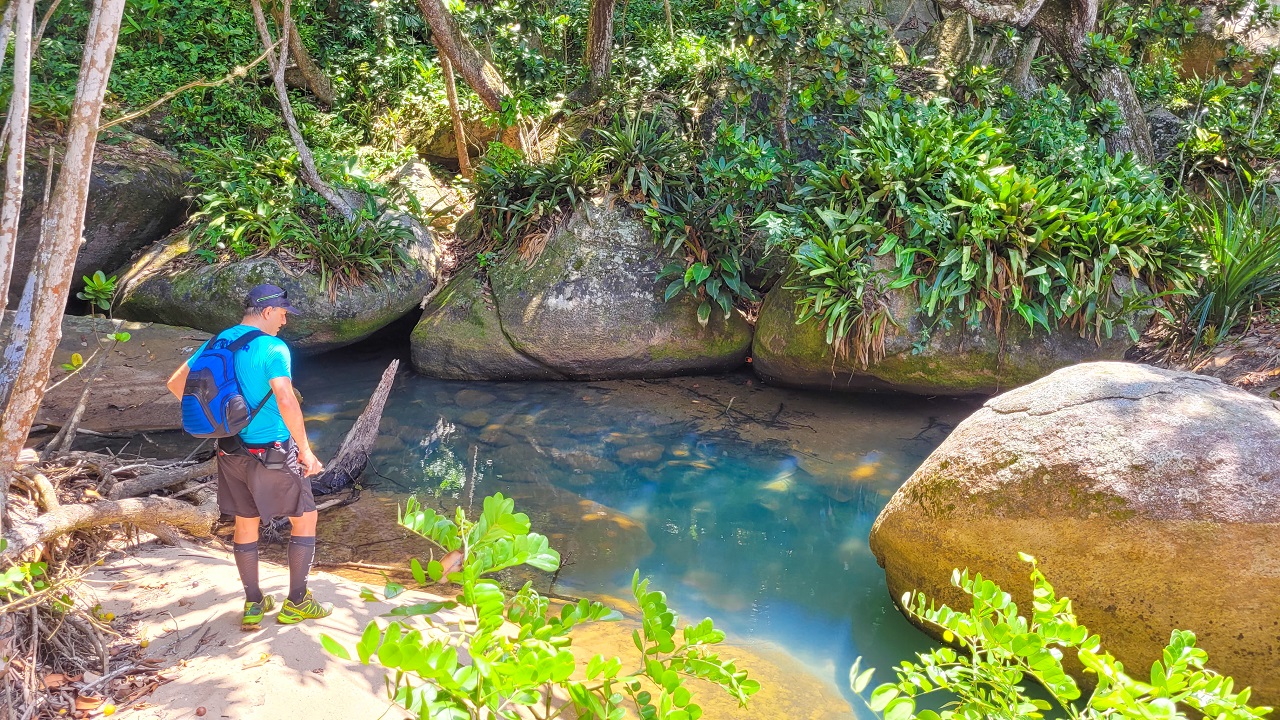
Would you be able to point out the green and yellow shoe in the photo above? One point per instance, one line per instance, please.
(254, 611)
(308, 609)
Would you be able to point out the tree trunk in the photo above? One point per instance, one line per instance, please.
(314, 79)
(6, 29)
(15, 140)
(599, 51)
(781, 121)
(459, 131)
(310, 175)
(60, 234)
(479, 73)
(671, 28)
(1065, 25)
(155, 515)
(1020, 77)
(148, 484)
(1135, 137)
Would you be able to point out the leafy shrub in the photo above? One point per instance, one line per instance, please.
(640, 157)
(1241, 236)
(522, 668)
(252, 203)
(981, 238)
(1000, 650)
(515, 195)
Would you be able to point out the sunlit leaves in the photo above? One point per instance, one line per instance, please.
(519, 645)
(1003, 650)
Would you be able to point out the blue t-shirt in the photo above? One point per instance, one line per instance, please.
(265, 359)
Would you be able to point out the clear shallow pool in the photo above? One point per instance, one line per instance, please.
(747, 503)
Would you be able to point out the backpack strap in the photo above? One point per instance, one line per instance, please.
(236, 346)
(240, 342)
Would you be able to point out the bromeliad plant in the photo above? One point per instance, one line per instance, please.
(997, 651)
(519, 649)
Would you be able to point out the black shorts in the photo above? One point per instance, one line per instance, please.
(248, 488)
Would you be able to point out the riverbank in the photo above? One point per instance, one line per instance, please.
(185, 602)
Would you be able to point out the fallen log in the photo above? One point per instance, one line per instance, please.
(155, 515)
(347, 466)
(147, 484)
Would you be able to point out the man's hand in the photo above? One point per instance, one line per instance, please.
(311, 464)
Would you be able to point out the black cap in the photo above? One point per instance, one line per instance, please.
(265, 295)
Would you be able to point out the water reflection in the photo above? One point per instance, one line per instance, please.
(745, 503)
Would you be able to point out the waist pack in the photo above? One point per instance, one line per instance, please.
(213, 404)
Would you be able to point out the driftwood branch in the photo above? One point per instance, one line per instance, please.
(155, 515)
(148, 484)
(352, 457)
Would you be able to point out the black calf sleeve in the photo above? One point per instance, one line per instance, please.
(246, 555)
(302, 551)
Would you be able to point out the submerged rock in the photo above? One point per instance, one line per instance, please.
(166, 285)
(958, 361)
(1151, 498)
(588, 307)
(135, 197)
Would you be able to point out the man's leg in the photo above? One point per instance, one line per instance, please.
(245, 542)
(302, 550)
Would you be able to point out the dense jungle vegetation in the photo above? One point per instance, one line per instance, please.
(798, 141)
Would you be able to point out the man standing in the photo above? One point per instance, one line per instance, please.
(263, 472)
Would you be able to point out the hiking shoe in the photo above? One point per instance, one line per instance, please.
(254, 611)
(308, 609)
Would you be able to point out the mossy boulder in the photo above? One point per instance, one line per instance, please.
(957, 360)
(167, 286)
(460, 337)
(136, 196)
(587, 307)
(1150, 497)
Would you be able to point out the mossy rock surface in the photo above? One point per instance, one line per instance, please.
(588, 307)
(163, 286)
(136, 196)
(460, 337)
(1150, 497)
(955, 361)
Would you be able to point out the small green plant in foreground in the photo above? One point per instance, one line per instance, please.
(519, 650)
(98, 290)
(998, 651)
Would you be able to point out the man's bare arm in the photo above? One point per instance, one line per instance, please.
(178, 380)
(291, 413)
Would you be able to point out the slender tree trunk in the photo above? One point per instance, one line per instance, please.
(479, 73)
(1020, 77)
(310, 175)
(671, 28)
(16, 142)
(459, 130)
(59, 238)
(781, 121)
(44, 22)
(314, 79)
(6, 29)
(599, 51)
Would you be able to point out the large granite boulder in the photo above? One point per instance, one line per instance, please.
(588, 307)
(955, 361)
(1151, 498)
(167, 285)
(129, 395)
(136, 196)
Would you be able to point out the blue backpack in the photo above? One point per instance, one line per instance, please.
(213, 405)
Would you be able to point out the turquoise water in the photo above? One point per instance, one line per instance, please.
(746, 503)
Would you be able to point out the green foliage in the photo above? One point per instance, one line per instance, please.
(1241, 236)
(514, 196)
(981, 238)
(641, 158)
(21, 579)
(251, 202)
(998, 651)
(98, 290)
(519, 649)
